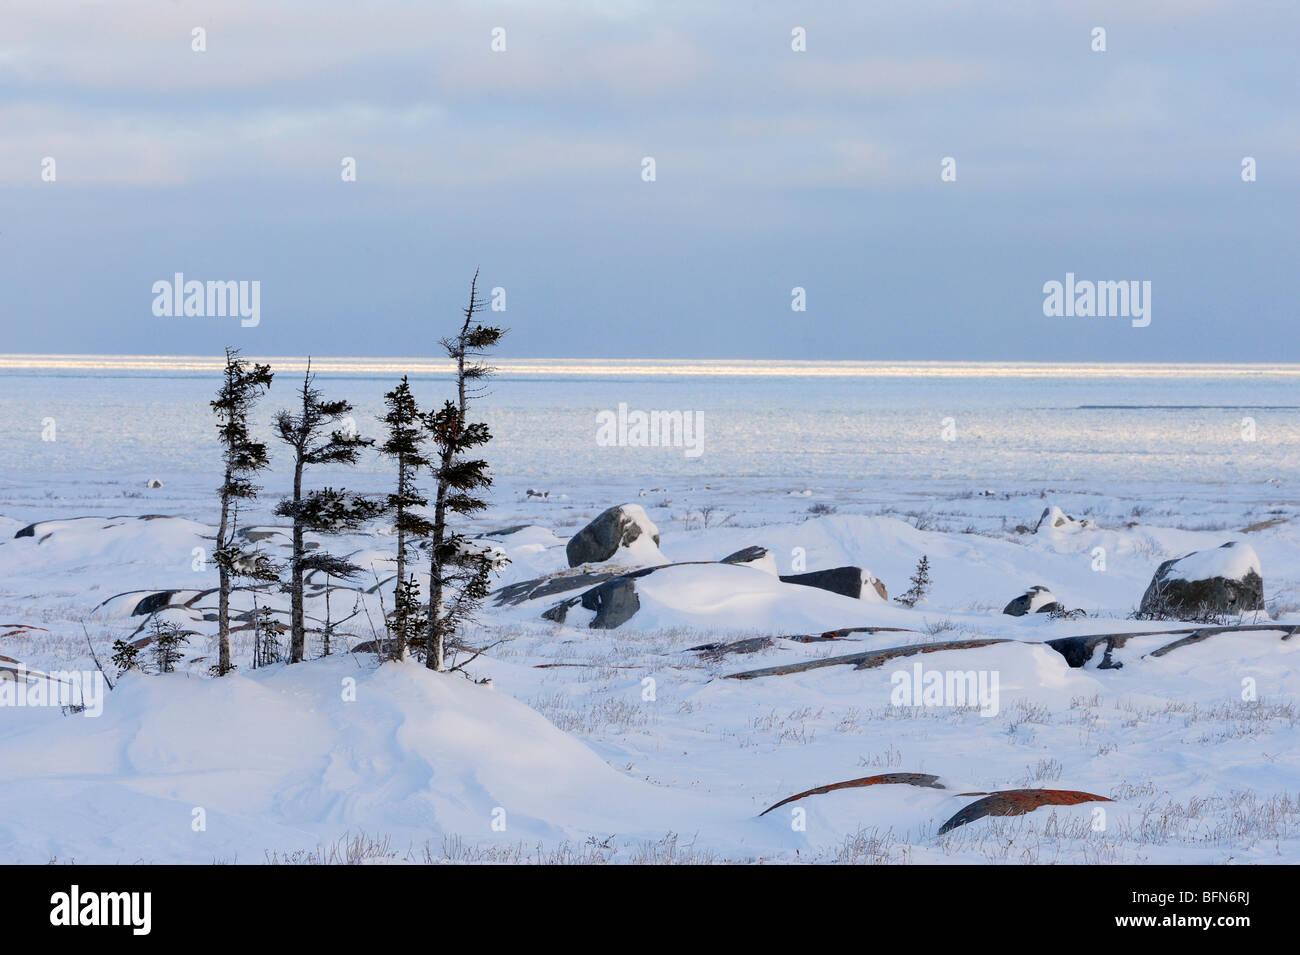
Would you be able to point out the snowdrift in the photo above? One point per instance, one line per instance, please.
(293, 755)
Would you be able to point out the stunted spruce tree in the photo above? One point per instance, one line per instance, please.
(406, 446)
(242, 385)
(459, 573)
(315, 435)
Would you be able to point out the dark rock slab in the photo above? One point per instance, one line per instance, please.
(154, 602)
(746, 555)
(838, 580)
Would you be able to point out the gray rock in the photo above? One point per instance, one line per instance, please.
(153, 603)
(600, 540)
(747, 555)
(505, 531)
(614, 602)
(838, 580)
(548, 586)
(1171, 596)
(1023, 604)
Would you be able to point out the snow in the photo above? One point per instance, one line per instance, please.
(282, 759)
(1232, 561)
(1199, 747)
(728, 597)
(643, 551)
(1055, 520)
(1040, 598)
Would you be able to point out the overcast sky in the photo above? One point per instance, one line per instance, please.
(774, 169)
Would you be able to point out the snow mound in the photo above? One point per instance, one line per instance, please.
(1055, 519)
(117, 548)
(290, 756)
(736, 597)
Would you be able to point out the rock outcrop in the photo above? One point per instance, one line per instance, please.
(623, 531)
(1224, 580)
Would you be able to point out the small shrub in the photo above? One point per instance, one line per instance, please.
(920, 584)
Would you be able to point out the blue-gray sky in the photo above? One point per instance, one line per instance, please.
(775, 169)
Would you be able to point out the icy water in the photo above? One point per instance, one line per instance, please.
(119, 421)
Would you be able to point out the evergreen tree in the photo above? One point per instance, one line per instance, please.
(920, 584)
(242, 385)
(168, 638)
(314, 436)
(406, 446)
(454, 563)
(126, 656)
(266, 638)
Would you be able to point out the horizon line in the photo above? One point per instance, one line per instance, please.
(662, 367)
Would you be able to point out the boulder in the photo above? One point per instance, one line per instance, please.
(624, 530)
(614, 602)
(1036, 599)
(1225, 579)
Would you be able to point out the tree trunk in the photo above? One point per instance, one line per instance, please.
(437, 643)
(298, 640)
(399, 651)
(223, 591)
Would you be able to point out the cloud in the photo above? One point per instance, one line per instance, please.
(883, 78)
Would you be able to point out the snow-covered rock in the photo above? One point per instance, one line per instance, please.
(623, 533)
(717, 597)
(1053, 518)
(1036, 599)
(1226, 579)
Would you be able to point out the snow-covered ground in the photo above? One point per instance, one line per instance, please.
(625, 745)
(571, 753)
